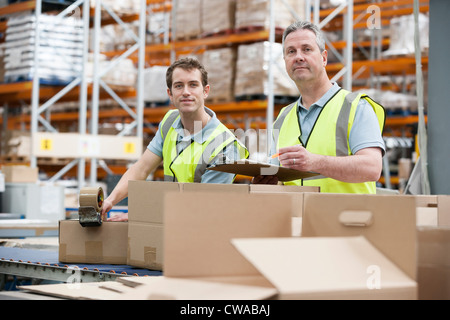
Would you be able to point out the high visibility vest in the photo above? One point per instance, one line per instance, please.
(191, 163)
(329, 136)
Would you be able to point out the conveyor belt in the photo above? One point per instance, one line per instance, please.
(44, 264)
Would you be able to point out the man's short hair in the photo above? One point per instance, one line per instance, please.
(305, 25)
(187, 64)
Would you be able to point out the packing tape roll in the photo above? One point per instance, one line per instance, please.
(91, 197)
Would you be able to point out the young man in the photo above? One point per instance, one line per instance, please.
(189, 138)
(329, 130)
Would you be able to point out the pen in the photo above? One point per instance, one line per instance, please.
(276, 155)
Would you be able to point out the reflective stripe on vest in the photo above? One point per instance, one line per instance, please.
(191, 163)
(339, 111)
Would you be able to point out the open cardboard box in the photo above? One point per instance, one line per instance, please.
(200, 261)
(351, 251)
(146, 212)
(368, 253)
(363, 248)
(352, 247)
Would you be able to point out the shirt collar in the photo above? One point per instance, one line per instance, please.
(201, 136)
(324, 99)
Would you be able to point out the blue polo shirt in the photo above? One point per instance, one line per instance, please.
(210, 176)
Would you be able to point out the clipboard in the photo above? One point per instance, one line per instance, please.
(253, 168)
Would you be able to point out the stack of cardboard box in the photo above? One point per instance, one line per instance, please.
(217, 16)
(188, 19)
(220, 64)
(239, 240)
(250, 13)
(252, 67)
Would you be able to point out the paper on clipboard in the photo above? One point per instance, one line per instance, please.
(253, 168)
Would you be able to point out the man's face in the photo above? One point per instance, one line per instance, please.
(187, 93)
(302, 56)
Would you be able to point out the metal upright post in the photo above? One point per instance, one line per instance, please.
(82, 116)
(95, 86)
(270, 95)
(348, 36)
(141, 66)
(36, 84)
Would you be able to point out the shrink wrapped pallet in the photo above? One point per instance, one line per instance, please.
(60, 48)
(217, 16)
(257, 13)
(188, 19)
(155, 87)
(2, 64)
(252, 68)
(401, 34)
(158, 23)
(220, 64)
(119, 7)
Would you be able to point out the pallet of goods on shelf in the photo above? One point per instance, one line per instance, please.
(257, 13)
(188, 19)
(124, 74)
(155, 87)
(60, 48)
(158, 23)
(252, 71)
(2, 63)
(395, 103)
(220, 65)
(401, 35)
(217, 17)
(120, 7)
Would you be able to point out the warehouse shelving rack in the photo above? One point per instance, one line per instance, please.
(79, 88)
(248, 114)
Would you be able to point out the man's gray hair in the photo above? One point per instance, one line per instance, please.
(305, 25)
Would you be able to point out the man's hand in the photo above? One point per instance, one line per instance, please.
(296, 157)
(107, 206)
(119, 217)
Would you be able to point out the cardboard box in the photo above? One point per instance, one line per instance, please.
(346, 268)
(204, 230)
(106, 244)
(433, 263)
(145, 243)
(433, 210)
(214, 257)
(358, 265)
(146, 213)
(20, 173)
(388, 222)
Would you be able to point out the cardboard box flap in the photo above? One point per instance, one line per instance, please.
(387, 221)
(154, 288)
(166, 288)
(197, 233)
(152, 202)
(343, 267)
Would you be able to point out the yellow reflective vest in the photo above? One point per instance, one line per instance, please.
(329, 136)
(191, 163)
